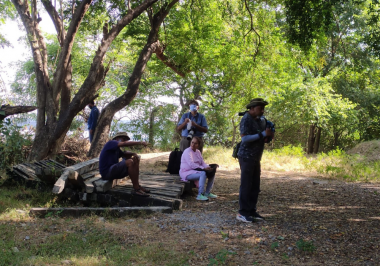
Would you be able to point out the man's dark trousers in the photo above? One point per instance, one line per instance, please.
(249, 185)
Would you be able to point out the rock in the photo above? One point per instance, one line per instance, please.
(23, 225)
(21, 211)
(101, 219)
(247, 252)
(27, 238)
(15, 249)
(67, 262)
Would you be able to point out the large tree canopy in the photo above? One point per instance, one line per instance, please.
(315, 61)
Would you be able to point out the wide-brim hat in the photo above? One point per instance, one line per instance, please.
(256, 102)
(121, 134)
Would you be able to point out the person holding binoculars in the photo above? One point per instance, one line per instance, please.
(255, 132)
(192, 124)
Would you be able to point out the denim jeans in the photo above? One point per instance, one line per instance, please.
(201, 176)
(90, 136)
(249, 185)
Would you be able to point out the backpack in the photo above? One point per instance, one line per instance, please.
(236, 150)
(174, 162)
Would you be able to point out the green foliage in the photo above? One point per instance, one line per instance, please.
(13, 143)
(339, 164)
(274, 245)
(239, 52)
(221, 257)
(88, 245)
(306, 246)
(19, 197)
(290, 151)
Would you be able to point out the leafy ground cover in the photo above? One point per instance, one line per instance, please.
(310, 220)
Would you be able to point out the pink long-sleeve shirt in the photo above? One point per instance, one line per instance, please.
(189, 161)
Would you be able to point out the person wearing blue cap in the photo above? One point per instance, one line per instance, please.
(192, 124)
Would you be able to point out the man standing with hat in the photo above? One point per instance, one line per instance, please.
(253, 130)
(192, 124)
(110, 168)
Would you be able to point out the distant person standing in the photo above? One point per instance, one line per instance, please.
(192, 124)
(93, 119)
(253, 130)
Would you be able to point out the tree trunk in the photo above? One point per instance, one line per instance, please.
(105, 118)
(55, 112)
(234, 132)
(336, 139)
(317, 140)
(151, 124)
(177, 134)
(311, 139)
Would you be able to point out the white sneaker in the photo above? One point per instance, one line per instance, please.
(244, 219)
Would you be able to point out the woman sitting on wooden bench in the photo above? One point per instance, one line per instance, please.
(194, 168)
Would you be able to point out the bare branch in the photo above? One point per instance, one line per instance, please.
(56, 20)
(253, 29)
(7, 110)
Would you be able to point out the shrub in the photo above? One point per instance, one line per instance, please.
(14, 145)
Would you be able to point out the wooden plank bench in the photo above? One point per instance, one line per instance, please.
(166, 189)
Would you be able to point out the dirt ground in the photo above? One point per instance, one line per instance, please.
(309, 221)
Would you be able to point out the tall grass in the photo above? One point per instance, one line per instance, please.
(336, 164)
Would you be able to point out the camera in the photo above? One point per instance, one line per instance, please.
(242, 113)
(191, 134)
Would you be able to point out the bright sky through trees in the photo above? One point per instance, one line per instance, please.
(20, 50)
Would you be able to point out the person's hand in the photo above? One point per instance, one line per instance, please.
(208, 168)
(91, 131)
(269, 132)
(144, 143)
(135, 157)
(193, 123)
(187, 120)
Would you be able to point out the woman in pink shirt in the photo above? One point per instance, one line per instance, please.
(190, 161)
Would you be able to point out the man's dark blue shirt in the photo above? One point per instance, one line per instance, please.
(109, 156)
(251, 126)
(92, 120)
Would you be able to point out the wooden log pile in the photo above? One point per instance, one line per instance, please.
(82, 182)
(46, 171)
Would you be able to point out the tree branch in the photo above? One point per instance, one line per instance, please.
(65, 55)
(42, 76)
(160, 55)
(253, 29)
(7, 110)
(134, 81)
(96, 73)
(56, 20)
